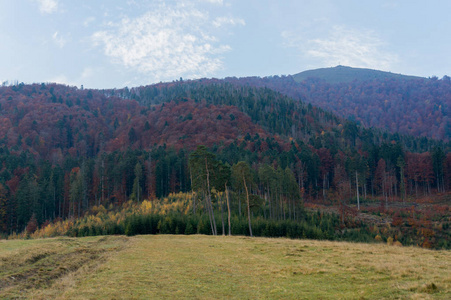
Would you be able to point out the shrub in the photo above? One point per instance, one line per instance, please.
(189, 228)
(390, 241)
(397, 244)
(32, 224)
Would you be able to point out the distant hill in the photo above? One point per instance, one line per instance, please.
(410, 105)
(340, 74)
(51, 121)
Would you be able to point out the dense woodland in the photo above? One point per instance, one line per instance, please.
(412, 106)
(65, 150)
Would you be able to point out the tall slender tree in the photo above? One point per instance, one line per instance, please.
(202, 165)
(243, 177)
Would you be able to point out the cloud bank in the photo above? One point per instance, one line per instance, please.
(344, 46)
(47, 6)
(223, 21)
(166, 42)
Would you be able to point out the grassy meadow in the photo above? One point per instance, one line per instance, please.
(208, 267)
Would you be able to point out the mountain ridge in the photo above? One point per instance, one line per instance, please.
(343, 74)
(414, 106)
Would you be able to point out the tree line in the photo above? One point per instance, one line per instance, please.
(270, 182)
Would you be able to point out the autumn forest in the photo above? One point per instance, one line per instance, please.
(256, 151)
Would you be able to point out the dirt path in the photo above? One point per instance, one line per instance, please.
(37, 265)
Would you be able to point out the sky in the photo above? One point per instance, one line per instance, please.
(118, 43)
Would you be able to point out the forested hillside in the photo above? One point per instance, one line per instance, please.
(409, 105)
(65, 150)
(51, 121)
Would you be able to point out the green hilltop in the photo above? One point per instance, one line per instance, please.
(340, 74)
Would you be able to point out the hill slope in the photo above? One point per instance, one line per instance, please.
(343, 74)
(198, 266)
(65, 150)
(51, 121)
(408, 105)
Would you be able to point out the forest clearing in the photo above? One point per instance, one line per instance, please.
(199, 266)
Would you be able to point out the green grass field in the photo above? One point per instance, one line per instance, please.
(175, 266)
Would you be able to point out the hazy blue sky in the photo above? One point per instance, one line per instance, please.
(112, 43)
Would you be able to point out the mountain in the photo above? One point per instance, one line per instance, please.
(65, 151)
(343, 74)
(408, 105)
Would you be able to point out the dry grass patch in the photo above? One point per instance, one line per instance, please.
(161, 267)
(169, 266)
(30, 266)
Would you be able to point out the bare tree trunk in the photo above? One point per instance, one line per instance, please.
(384, 184)
(364, 189)
(59, 206)
(222, 215)
(212, 215)
(228, 209)
(248, 206)
(192, 191)
(350, 189)
(102, 187)
(207, 209)
(357, 189)
(215, 232)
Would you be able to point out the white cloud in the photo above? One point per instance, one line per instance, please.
(350, 47)
(47, 6)
(219, 2)
(221, 21)
(88, 21)
(165, 43)
(58, 40)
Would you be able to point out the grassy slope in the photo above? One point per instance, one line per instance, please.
(166, 266)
